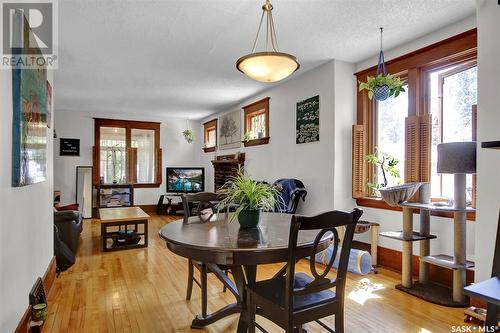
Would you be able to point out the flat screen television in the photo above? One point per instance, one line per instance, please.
(185, 180)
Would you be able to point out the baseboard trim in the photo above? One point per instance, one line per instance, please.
(48, 281)
(50, 276)
(23, 325)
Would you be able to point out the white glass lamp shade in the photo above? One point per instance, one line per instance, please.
(267, 66)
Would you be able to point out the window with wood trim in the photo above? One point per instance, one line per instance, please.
(127, 152)
(452, 92)
(256, 122)
(441, 92)
(209, 135)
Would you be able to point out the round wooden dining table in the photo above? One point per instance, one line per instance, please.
(220, 241)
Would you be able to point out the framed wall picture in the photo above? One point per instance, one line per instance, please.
(307, 126)
(29, 121)
(69, 147)
(230, 130)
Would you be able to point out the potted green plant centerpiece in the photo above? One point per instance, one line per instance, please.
(251, 198)
(387, 165)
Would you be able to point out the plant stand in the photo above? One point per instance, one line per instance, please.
(424, 288)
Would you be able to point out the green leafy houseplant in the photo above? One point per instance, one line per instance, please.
(392, 84)
(247, 136)
(188, 135)
(251, 198)
(387, 166)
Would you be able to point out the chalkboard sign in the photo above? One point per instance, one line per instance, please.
(69, 147)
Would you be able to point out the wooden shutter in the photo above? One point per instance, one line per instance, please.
(132, 165)
(358, 161)
(159, 166)
(412, 151)
(425, 136)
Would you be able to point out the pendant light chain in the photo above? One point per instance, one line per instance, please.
(274, 39)
(270, 30)
(258, 32)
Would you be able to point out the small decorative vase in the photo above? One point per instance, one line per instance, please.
(381, 92)
(249, 218)
(260, 135)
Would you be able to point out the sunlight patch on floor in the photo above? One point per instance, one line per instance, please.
(423, 330)
(364, 291)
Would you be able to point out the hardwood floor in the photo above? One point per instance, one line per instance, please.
(143, 290)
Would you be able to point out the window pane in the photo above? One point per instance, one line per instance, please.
(144, 141)
(258, 125)
(113, 159)
(390, 131)
(211, 138)
(452, 93)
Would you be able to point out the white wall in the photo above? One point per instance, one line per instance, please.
(80, 125)
(488, 123)
(313, 163)
(392, 220)
(26, 227)
(282, 157)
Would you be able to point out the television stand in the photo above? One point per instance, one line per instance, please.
(169, 208)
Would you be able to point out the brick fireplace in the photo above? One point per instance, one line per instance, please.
(226, 166)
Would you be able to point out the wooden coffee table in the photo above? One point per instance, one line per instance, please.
(126, 226)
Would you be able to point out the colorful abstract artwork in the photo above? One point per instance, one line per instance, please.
(307, 127)
(230, 130)
(29, 123)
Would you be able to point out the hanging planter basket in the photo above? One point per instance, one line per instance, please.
(381, 93)
(382, 85)
(188, 135)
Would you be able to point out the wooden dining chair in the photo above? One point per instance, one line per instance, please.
(292, 299)
(204, 205)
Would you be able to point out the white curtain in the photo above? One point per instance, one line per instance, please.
(145, 157)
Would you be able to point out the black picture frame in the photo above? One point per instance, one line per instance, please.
(69, 147)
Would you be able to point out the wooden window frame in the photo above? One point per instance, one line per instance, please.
(252, 110)
(413, 66)
(207, 127)
(128, 125)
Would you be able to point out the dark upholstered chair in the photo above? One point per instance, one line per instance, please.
(292, 299)
(203, 204)
(68, 226)
(291, 191)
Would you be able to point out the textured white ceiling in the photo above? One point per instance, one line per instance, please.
(177, 58)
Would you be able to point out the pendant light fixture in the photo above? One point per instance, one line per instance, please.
(267, 66)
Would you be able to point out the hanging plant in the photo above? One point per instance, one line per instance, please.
(382, 85)
(188, 135)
